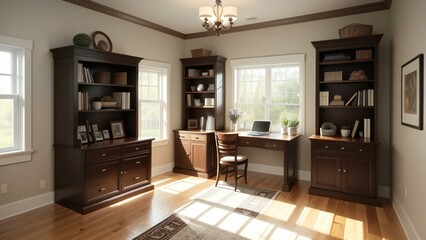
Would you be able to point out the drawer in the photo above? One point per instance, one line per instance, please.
(249, 142)
(102, 180)
(139, 148)
(198, 137)
(365, 149)
(273, 145)
(325, 145)
(103, 154)
(184, 136)
(135, 171)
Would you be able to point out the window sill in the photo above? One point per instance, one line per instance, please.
(160, 142)
(15, 157)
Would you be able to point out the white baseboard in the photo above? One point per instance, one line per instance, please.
(25, 205)
(407, 224)
(162, 169)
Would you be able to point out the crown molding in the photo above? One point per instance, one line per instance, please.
(372, 7)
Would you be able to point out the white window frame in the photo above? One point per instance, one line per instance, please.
(165, 97)
(270, 61)
(22, 151)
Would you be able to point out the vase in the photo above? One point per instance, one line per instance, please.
(234, 126)
(292, 131)
(284, 130)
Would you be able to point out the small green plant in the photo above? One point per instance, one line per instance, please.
(293, 122)
(284, 122)
(346, 127)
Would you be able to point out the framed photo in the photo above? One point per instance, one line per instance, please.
(95, 127)
(117, 129)
(412, 93)
(81, 128)
(83, 137)
(98, 136)
(192, 123)
(197, 102)
(105, 133)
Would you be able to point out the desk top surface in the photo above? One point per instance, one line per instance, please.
(270, 136)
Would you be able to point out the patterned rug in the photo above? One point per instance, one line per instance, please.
(217, 213)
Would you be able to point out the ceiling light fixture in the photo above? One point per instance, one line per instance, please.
(217, 17)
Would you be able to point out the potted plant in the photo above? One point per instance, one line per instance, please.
(292, 126)
(284, 126)
(345, 131)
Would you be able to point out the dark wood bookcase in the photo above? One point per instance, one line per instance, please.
(346, 167)
(195, 152)
(93, 175)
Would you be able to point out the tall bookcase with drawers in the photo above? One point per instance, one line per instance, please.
(95, 174)
(346, 167)
(203, 106)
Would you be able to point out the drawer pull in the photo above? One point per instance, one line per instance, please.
(360, 149)
(326, 147)
(248, 142)
(103, 170)
(103, 154)
(136, 178)
(138, 162)
(182, 137)
(338, 170)
(275, 145)
(344, 170)
(343, 148)
(102, 189)
(137, 149)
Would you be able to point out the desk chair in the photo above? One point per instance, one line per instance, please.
(227, 155)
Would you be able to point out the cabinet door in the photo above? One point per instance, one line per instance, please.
(358, 176)
(102, 180)
(199, 156)
(182, 154)
(134, 171)
(326, 172)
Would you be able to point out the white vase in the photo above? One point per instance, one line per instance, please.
(292, 131)
(284, 130)
(234, 127)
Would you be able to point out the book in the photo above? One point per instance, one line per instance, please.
(351, 99)
(122, 99)
(324, 98)
(355, 128)
(188, 100)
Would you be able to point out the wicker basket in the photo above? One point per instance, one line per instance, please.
(200, 52)
(119, 78)
(102, 77)
(355, 30)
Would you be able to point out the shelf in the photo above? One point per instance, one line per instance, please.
(106, 85)
(201, 107)
(357, 61)
(200, 77)
(106, 110)
(347, 107)
(347, 81)
(195, 92)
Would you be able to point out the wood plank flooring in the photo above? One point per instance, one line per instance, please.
(292, 215)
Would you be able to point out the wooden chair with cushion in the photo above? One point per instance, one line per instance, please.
(227, 156)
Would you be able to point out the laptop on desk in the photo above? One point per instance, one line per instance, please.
(260, 128)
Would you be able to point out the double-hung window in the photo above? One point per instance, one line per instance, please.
(15, 100)
(154, 110)
(269, 88)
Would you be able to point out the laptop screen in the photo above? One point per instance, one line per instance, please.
(260, 126)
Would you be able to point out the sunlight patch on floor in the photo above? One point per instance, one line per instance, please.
(125, 201)
(280, 210)
(194, 209)
(317, 220)
(233, 222)
(181, 185)
(213, 216)
(353, 229)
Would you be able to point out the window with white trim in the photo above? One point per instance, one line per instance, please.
(154, 110)
(269, 88)
(15, 100)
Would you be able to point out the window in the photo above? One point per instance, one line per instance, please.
(154, 80)
(15, 100)
(269, 88)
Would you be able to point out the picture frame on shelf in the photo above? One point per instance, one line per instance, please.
(192, 123)
(197, 102)
(80, 128)
(95, 127)
(98, 136)
(83, 137)
(412, 93)
(117, 129)
(105, 133)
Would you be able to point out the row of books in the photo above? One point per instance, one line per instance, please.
(207, 123)
(366, 130)
(362, 98)
(324, 98)
(84, 75)
(83, 101)
(122, 99)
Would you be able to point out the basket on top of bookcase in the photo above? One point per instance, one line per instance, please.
(355, 30)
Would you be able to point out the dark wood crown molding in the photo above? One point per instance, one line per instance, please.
(372, 7)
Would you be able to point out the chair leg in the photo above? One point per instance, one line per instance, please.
(236, 176)
(217, 175)
(226, 173)
(245, 172)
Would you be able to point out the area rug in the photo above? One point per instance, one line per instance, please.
(217, 213)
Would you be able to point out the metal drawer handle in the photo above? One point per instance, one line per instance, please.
(275, 145)
(104, 170)
(138, 162)
(338, 170)
(102, 189)
(137, 178)
(182, 137)
(197, 138)
(248, 142)
(326, 147)
(343, 148)
(360, 149)
(103, 154)
(137, 149)
(344, 170)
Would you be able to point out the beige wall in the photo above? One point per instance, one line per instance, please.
(297, 39)
(51, 24)
(408, 144)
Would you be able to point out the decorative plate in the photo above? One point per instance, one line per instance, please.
(101, 41)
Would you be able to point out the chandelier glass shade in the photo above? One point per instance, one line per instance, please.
(218, 18)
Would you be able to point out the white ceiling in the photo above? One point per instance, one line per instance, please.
(182, 15)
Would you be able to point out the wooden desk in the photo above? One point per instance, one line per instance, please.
(277, 142)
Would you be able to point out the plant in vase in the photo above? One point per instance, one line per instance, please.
(234, 115)
(292, 126)
(284, 126)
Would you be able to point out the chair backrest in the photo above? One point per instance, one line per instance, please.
(226, 144)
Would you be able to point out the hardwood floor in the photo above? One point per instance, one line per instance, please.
(292, 215)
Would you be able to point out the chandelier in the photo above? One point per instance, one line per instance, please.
(218, 18)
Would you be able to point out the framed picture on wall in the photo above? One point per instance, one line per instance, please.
(412, 93)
